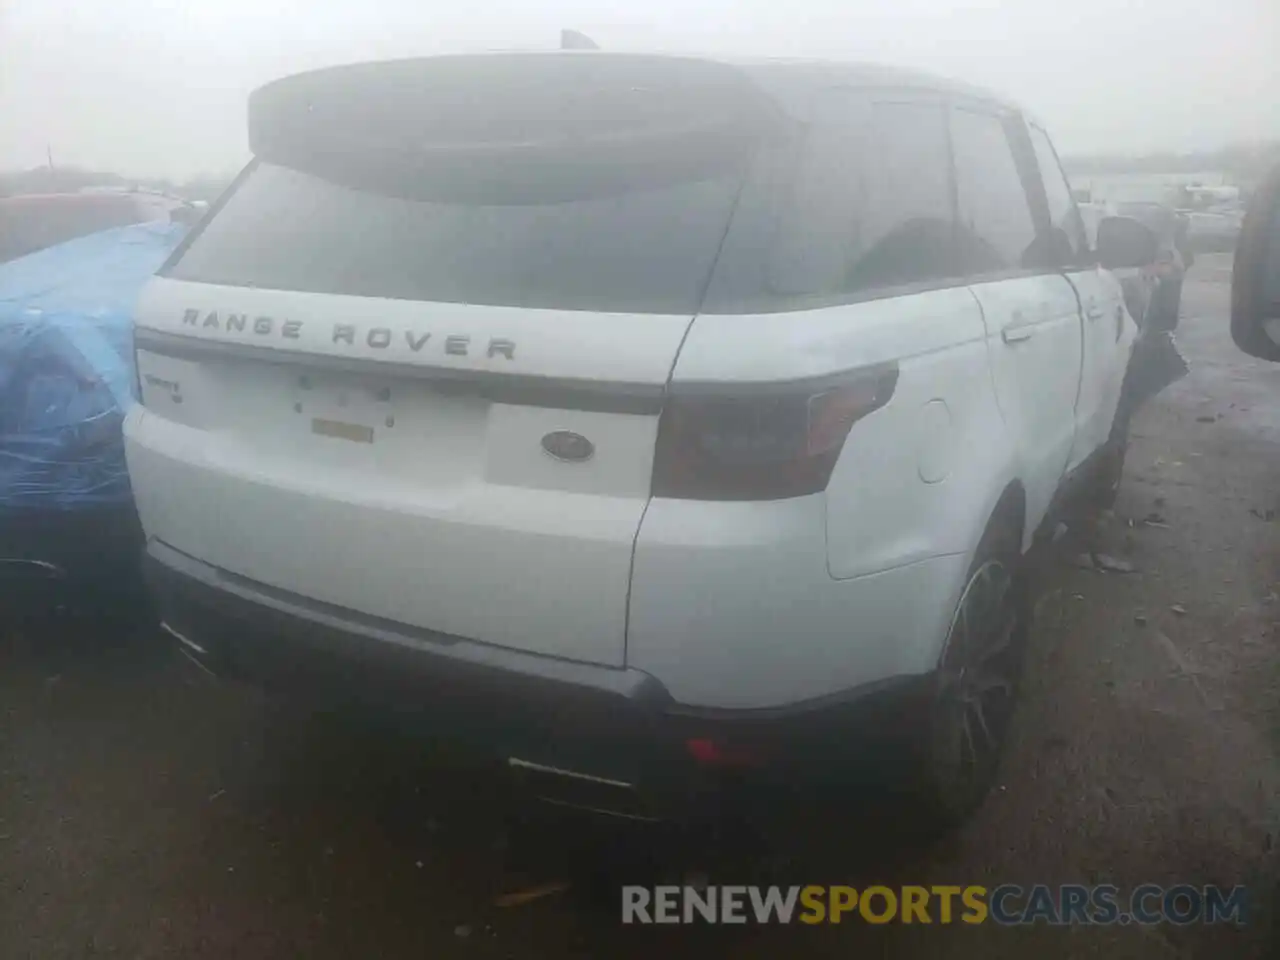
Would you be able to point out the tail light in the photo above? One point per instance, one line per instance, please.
(764, 442)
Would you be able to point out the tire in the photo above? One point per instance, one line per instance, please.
(974, 689)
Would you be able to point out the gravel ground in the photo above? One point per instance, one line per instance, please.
(144, 814)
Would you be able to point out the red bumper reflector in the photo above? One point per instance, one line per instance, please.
(711, 753)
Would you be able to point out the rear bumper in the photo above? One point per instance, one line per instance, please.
(614, 731)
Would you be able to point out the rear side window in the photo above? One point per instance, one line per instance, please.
(905, 232)
(871, 204)
(996, 229)
(1063, 215)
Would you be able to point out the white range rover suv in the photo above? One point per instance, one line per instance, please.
(646, 416)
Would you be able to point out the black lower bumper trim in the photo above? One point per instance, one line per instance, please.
(380, 643)
(616, 727)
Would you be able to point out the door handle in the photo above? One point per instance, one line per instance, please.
(1012, 335)
(1094, 312)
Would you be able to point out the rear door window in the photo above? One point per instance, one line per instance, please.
(997, 232)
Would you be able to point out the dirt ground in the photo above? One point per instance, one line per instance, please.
(147, 815)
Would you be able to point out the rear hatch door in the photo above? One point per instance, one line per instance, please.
(412, 366)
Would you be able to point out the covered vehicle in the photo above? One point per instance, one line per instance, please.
(66, 379)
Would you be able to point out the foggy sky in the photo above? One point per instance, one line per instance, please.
(145, 87)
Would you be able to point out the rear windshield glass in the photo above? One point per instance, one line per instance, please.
(641, 251)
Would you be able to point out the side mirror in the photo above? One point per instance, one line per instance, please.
(1255, 276)
(1124, 242)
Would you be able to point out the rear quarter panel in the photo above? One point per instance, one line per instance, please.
(753, 605)
(915, 477)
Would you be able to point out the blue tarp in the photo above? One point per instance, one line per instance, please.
(66, 365)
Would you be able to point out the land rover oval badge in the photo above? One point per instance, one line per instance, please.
(568, 446)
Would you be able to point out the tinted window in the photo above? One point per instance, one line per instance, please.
(907, 228)
(858, 201)
(872, 205)
(814, 242)
(996, 230)
(1062, 208)
(646, 250)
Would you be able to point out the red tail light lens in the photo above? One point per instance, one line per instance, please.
(765, 442)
